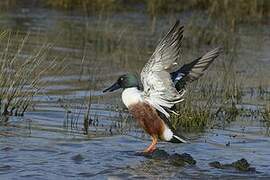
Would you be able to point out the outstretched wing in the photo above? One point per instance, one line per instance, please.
(192, 71)
(159, 89)
(167, 51)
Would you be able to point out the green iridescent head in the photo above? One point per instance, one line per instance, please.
(124, 81)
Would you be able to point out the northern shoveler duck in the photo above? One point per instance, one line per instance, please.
(163, 82)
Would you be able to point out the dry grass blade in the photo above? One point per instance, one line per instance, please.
(20, 76)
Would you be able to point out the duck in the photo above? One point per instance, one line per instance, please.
(162, 84)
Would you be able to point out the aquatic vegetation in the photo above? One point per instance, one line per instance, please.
(21, 72)
(266, 118)
(190, 119)
(88, 6)
(230, 11)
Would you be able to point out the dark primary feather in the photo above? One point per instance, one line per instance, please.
(192, 71)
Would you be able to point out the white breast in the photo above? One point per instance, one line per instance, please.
(131, 96)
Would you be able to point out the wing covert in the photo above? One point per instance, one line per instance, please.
(159, 89)
(192, 71)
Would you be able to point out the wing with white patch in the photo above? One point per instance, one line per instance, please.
(159, 90)
(167, 51)
(192, 71)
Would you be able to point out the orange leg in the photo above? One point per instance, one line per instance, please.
(152, 146)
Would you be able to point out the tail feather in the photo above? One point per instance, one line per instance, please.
(177, 139)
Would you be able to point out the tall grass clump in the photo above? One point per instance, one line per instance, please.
(266, 118)
(20, 73)
(196, 113)
(191, 117)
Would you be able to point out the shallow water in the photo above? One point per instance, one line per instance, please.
(50, 154)
(49, 143)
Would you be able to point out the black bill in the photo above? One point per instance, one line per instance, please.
(113, 87)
